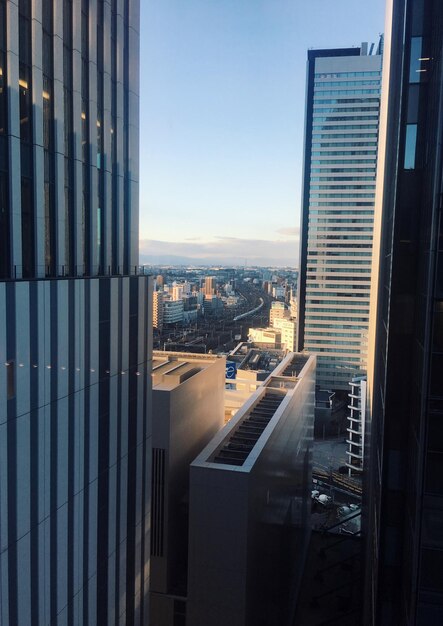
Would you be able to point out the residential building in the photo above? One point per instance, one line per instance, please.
(177, 291)
(403, 513)
(210, 285)
(75, 318)
(172, 311)
(278, 292)
(249, 506)
(278, 310)
(157, 310)
(288, 330)
(188, 410)
(340, 158)
(293, 306)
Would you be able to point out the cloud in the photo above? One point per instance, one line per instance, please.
(220, 250)
(289, 232)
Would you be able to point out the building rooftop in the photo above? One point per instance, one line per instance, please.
(170, 369)
(243, 435)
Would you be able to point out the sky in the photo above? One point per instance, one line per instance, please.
(222, 97)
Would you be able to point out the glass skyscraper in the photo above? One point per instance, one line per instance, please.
(340, 158)
(403, 512)
(75, 317)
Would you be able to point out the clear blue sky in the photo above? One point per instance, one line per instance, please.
(221, 120)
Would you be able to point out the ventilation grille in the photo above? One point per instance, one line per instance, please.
(158, 501)
(236, 450)
(295, 366)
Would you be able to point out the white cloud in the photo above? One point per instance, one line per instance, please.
(226, 250)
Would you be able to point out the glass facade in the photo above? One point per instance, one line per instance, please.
(337, 222)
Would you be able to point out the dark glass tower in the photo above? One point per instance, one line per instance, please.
(74, 317)
(404, 495)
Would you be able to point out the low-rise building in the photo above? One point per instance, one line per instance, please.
(270, 337)
(157, 310)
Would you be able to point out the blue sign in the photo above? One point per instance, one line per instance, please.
(231, 369)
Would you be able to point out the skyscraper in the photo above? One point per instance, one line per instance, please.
(340, 156)
(404, 505)
(74, 317)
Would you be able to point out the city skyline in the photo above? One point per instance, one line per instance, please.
(222, 123)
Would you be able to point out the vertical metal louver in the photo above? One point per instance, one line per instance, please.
(158, 501)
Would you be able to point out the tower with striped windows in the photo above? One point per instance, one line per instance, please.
(75, 317)
(340, 158)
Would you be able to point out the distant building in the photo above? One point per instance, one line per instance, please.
(157, 310)
(172, 312)
(160, 281)
(278, 292)
(340, 159)
(288, 330)
(249, 506)
(270, 337)
(210, 285)
(212, 305)
(188, 410)
(177, 291)
(278, 310)
(293, 307)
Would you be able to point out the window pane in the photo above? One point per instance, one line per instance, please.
(415, 63)
(410, 146)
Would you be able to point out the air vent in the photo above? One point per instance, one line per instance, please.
(238, 447)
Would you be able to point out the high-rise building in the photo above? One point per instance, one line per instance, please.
(210, 285)
(75, 318)
(157, 310)
(340, 157)
(404, 505)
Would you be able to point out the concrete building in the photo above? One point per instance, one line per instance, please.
(278, 310)
(278, 292)
(210, 285)
(288, 330)
(188, 410)
(75, 319)
(403, 512)
(270, 337)
(172, 311)
(340, 157)
(177, 291)
(249, 507)
(157, 310)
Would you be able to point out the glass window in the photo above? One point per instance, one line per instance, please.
(410, 146)
(415, 60)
